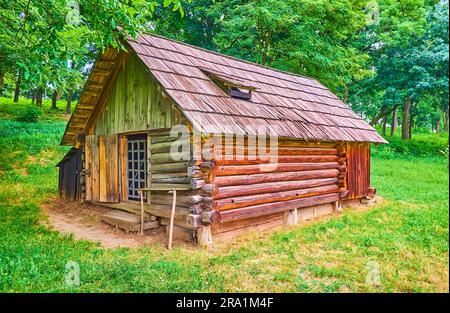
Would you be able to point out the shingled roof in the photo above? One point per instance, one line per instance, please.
(297, 106)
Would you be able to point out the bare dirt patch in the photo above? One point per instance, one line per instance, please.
(84, 222)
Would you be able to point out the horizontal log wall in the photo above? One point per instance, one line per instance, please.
(180, 172)
(241, 189)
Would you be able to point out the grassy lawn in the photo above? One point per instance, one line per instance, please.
(405, 239)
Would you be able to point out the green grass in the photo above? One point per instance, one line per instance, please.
(407, 236)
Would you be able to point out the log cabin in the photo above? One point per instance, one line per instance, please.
(128, 119)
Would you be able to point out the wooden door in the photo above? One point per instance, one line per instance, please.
(102, 168)
(358, 169)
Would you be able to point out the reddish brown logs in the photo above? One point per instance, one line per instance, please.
(210, 217)
(239, 187)
(270, 208)
(231, 159)
(224, 170)
(210, 189)
(238, 202)
(238, 180)
(244, 150)
(245, 190)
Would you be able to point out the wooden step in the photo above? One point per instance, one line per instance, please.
(127, 221)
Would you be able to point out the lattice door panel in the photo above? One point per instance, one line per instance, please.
(137, 165)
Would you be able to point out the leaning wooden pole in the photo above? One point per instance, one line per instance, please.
(172, 218)
(142, 212)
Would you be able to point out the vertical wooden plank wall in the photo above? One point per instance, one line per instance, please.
(88, 166)
(123, 157)
(102, 169)
(136, 103)
(102, 174)
(358, 167)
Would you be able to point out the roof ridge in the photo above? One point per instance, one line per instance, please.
(234, 58)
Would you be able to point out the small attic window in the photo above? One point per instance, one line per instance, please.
(240, 93)
(234, 87)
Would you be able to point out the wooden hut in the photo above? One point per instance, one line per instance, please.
(133, 100)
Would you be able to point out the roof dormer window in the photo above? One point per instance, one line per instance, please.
(239, 93)
(235, 87)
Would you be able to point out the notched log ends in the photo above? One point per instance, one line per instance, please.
(237, 193)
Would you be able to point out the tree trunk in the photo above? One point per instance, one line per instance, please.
(438, 126)
(39, 97)
(54, 98)
(33, 97)
(17, 89)
(446, 122)
(69, 101)
(345, 99)
(379, 116)
(405, 119)
(394, 121)
(383, 129)
(410, 125)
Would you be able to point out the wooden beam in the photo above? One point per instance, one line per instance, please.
(100, 71)
(81, 115)
(94, 85)
(110, 62)
(91, 93)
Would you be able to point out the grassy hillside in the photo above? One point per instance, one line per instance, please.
(406, 237)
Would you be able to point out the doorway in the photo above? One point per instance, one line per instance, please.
(137, 165)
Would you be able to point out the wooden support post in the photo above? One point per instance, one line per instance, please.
(291, 217)
(172, 218)
(205, 236)
(337, 206)
(142, 212)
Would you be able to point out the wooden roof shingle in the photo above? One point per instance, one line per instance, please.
(297, 106)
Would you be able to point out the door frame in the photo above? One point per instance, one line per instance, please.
(123, 164)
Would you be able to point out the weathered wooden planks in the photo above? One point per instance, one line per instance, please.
(123, 168)
(358, 166)
(126, 221)
(102, 168)
(135, 103)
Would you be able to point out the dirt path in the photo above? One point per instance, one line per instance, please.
(67, 225)
(84, 222)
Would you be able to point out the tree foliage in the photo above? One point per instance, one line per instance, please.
(49, 44)
(387, 59)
